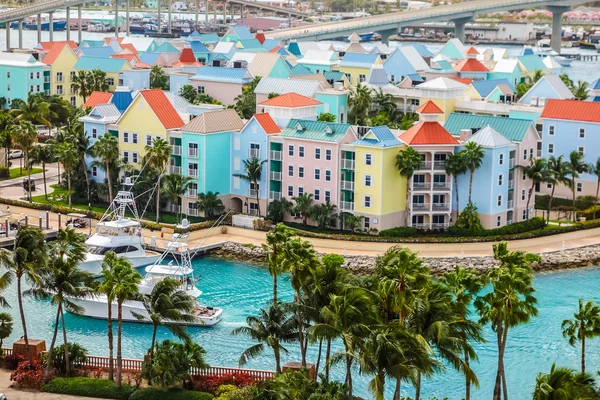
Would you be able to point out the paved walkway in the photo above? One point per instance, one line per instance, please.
(13, 188)
(13, 394)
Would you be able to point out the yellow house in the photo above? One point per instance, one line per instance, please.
(380, 191)
(62, 59)
(356, 66)
(149, 116)
(443, 92)
(113, 67)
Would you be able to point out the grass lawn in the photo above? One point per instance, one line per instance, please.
(16, 173)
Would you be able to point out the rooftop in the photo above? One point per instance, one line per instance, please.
(290, 100)
(489, 137)
(226, 120)
(267, 123)
(429, 108)
(315, 130)
(162, 108)
(572, 110)
(97, 98)
(514, 129)
(427, 133)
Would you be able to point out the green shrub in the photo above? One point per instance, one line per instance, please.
(401, 231)
(77, 356)
(100, 388)
(541, 202)
(512, 229)
(172, 394)
(584, 202)
(4, 173)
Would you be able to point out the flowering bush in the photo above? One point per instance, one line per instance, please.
(133, 379)
(13, 360)
(28, 375)
(210, 384)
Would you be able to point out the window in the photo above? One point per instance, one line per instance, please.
(126, 137)
(499, 202)
(300, 172)
(327, 195)
(31, 89)
(300, 151)
(550, 148)
(551, 130)
(348, 76)
(8, 75)
(368, 159)
(524, 175)
(148, 140)
(531, 153)
(110, 81)
(362, 78)
(291, 170)
(37, 75)
(59, 77)
(549, 186)
(581, 133)
(328, 154)
(73, 101)
(317, 194)
(524, 154)
(392, 78)
(367, 180)
(291, 150)
(290, 191)
(524, 214)
(59, 89)
(94, 133)
(328, 175)
(499, 221)
(367, 221)
(579, 186)
(300, 191)
(134, 138)
(581, 150)
(38, 88)
(126, 156)
(500, 178)
(201, 89)
(317, 174)
(367, 201)
(134, 157)
(317, 154)
(523, 194)
(193, 150)
(94, 171)
(31, 75)
(8, 88)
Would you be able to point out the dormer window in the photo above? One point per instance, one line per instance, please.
(299, 127)
(328, 129)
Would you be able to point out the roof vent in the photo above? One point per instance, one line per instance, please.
(328, 130)
(299, 127)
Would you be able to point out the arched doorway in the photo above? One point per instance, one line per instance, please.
(237, 204)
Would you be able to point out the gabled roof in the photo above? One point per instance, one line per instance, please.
(472, 51)
(429, 108)
(241, 31)
(209, 38)
(260, 36)
(377, 76)
(557, 84)
(162, 108)
(471, 65)
(595, 85)
(290, 100)
(489, 137)
(428, 133)
(270, 44)
(355, 47)
(198, 47)
(441, 83)
(551, 63)
(224, 47)
(514, 129)
(572, 110)
(19, 59)
(379, 136)
(441, 67)
(215, 121)
(220, 74)
(300, 69)
(414, 57)
(359, 60)
(465, 81)
(166, 48)
(54, 52)
(90, 43)
(324, 57)
(263, 63)
(506, 66)
(187, 59)
(306, 88)
(98, 98)
(102, 113)
(106, 64)
(105, 51)
(267, 123)
(420, 48)
(315, 130)
(250, 45)
(149, 58)
(532, 63)
(130, 47)
(48, 45)
(333, 75)
(485, 87)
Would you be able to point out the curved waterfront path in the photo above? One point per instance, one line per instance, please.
(546, 244)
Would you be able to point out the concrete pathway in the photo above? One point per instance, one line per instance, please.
(13, 188)
(14, 394)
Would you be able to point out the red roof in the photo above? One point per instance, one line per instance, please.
(98, 98)
(291, 100)
(471, 65)
(53, 53)
(187, 57)
(275, 49)
(129, 46)
(429, 108)
(572, 110)
(427, 133)
(267, 123)
(108, 39)
(162, 107)
(127, 56)
(466, 81)
(260, 37)
(472, 50)
(48, 45)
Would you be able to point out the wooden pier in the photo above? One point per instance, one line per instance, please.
(193, 252)
(581, 57)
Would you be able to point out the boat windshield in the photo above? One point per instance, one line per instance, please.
(99, 250)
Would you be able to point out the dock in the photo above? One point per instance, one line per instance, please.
(193, 252)
(7, 242)
(581, 57)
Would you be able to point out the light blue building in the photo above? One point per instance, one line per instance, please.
(397, 67)
(136, 79)
(548, 87)
(319, 61)
(507, 69)
(20, 75)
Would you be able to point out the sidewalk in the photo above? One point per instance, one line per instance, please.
(12, 188)
(13, 394)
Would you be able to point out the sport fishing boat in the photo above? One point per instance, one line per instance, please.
(179, 267)
(118, 233)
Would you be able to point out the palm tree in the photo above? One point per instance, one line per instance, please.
(273, 249)
(456, 167)
(35, 110)
(25, 136)
(585, 324)
(511, 302)
(324, 214)
(252, 174)
(472, 157)
(69, 158)
(81, 84)
(107, 149)
(42, 155)
(158, 156)
(158, 78)
(84, 148)
(6, 127)
(28, 257)
(360, 102)
(189, 93)
(407, 162)
(278, 208)
(168, 305)
(210, 204)
(6, 326)
(536, 171)
(596, 171)
(98, 81)
(580, 90)
(558, 173)
(326, 117)
(272, 327)
(299, 259)
(303, 206)
(566, 80)
(175, 186)
(563, 383)
(107, 288)
(353, 222)
(577, 166)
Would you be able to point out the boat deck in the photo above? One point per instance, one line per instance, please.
(161, 247)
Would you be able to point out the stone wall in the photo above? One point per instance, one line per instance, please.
(572, 258)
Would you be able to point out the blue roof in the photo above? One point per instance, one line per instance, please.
(148, 58)
(198, 47)
(122, 99)
(527, 51)
(416, 78)
(359, 60)
(294, 48)
(514, 129)
(209, 38)
(421, 49)
(270, 44)
(242, 32)
(532, 63)
(379, 136)
(444, 67)
(193, 36)
(221, 74)
(91, 43)
(333, 75)
(221, 56)
(283, 51)
(595, 85)
(485, 87)
(166, 48)
(596, 99)
(251, 44)
(105, 51)
(105, 64)
(300, 69)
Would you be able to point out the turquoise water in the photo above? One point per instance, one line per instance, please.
(242, 289)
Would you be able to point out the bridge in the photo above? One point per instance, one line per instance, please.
(460, 14)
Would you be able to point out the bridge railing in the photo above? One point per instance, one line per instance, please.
(37, 7)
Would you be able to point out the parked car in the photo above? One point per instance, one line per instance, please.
(15, 154)
(26, 188)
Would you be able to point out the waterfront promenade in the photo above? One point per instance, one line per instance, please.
(14, 394)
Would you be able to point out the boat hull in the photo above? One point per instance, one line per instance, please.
(94, 267)
(587, 45)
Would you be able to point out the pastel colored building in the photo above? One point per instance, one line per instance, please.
(440, 68)
(319, 61)
(305, 87)
(548, 87)
(112, 66)
(471, 68)
(443, 92)
(507, 69)
(21, 75)
(356, 66)
(290, 106)
(62, 59)
(454, 49)
(531, 63)
(397, 67)
(494, 90)
(136, 79)
(223, 84)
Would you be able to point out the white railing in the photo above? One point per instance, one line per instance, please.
(252, 193)
(440, 206)
(254, 153)
(192, 193)
(347, 206)
(509, 221)
(439, 225)
(439, 165)
(420, 206)
(176, 150)
(193, 153)
(174, 169)
(276, 155)
(425, 165)
(274, 195)
(511, 163)
(510, 204)
(421, 186)
(347, 185)
(193, 173)
(420, 226)
(46, 79)
(275, 176)
(175, 208)
(511, 184)
(348, 163)
(252, 211)
(441, 185)
(192, 211)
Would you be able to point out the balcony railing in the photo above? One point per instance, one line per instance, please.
(347, 185)
(274, 195)
(176, 150)
(347, 206)
(441, 164)
(510, 204)
(421, 186)
(193, 172)
(441, 185)
(348, 164)
(439, 225)
(174, 169)
(420, 206)
(511, 163)
(509, 221)
(420, 226)
(46, 79)
(175, 208)
(276, 155)
(192, 211)
(511, 184)
(252, 193)
(192, 193)
(193, 153)
(254, 153)
(425, 165)
(253, 211)
(440, 206)
(275, 176)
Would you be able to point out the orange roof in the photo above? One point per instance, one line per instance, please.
(127, 56)
(472, 50)
(48, 45)
(471, 65)
(429, 108)
(187, 57)
(129, 46)
(427, 133)
(267, 123)
(108, 39)
(141, 65)
(260, 37)
(53, 53)
(162, 108)
(98, 98)
(275, 49)
(466, 81)
(291, 100)
(572, 110)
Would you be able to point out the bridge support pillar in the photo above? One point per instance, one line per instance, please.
(79, 28)
(224, 12)
(197, 5)
(8, 35)
(459, 28)
(169, 16)
(127, 30)
(39, 28)
(214, 13)
(159, 21)
(557, 12)
(206, 4)
(385, 35)
(21, 34)
(51, 26)
(68, 26)
(242, 11)
(116, 18)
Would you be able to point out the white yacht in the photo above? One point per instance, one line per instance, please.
(115, 232)
(179, 268)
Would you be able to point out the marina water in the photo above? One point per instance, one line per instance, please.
(242, 289)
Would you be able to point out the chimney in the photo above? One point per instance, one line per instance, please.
(465, 134)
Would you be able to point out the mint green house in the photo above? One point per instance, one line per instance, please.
(335, 101)
(20, 75)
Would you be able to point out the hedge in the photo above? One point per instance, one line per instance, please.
(402, 231)
(172, 394)
(100, 388)
(512, 229)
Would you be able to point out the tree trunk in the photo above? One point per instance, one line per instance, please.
(87, 178)
(595, 205)
(20, 300)
(111, 366)
(44, 174)
(418, 386)
(529, 199)
(503, 375)
(155, 327)
(456, 191)
(467, 380)
(275, 288)
(583, 354)
(327, 356)
(300, 329)
(573, 189)
(550, 201)
(470, 185)
(497, 384)
(119, 334)
(158, 199)
(348, 371)
(69, 187)
(64, 330)
(51, 350)
(58, 168)
(319, 357)
(109, 178)
(257, 198)
(397, 391)
(277, 359)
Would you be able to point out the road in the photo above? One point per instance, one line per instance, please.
(13, 188)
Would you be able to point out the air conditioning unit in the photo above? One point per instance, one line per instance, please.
(338, 86)
(541, 101)
(534, 101)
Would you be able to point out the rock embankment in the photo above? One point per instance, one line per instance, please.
(572, 258)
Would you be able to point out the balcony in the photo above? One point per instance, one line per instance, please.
(509, 221)
(420, 226)
(176, 150)
(192, 193)
(439, 225)
(276, 155)
(254, 153)
(441, 185)
(419, 186)
(440, 207)
(252, 193)
(253, 211)
(440, 164)
(275, 176)
(347, 206)
(511, 163)
(46, 79)
(274, 195)
(174, 169)
(192, 173)
(174, 208)
(425, 165)
(347, 185)
(193, 153)
(511, 184)
(420, 207)
(348, 164)
(192, 211)
(510, 204)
